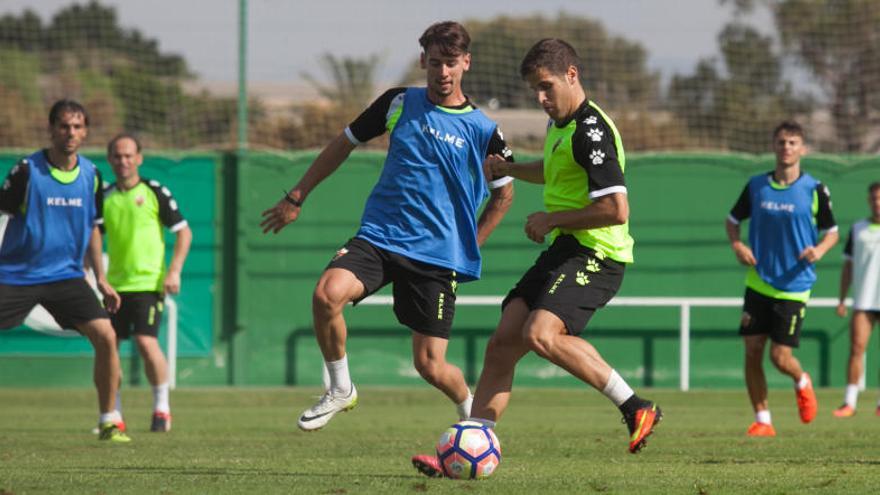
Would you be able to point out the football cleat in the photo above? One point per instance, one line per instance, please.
(317, 416)
(761, 430)
(641, 424)
(844, 411)
(161, 421)
(429, 465)
(110, 431)
(119, 424)
(806, 402)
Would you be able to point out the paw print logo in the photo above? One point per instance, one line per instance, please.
(597, 157)
(581, 278)
(590, 120)
(592, 266)
(595, 134)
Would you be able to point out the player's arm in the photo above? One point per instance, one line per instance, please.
(826, 224)
(94, 253)
(845, 275)
(14, 189)
(182, 243)
(606, 189)
(172, 218)
(501, 189)
(530, 171)
(371, 123)
(740, 211)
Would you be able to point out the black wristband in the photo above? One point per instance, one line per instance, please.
(294, 202)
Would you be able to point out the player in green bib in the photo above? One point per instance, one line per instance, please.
(136, 211)
(585, 218)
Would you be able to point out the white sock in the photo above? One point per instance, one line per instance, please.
(340, 381)
(804, 382)
(464, 408)
(851, 395)
(110, 417)
(616, 389)
(485, 422)
(325, 376)
(118, 404)
(160, 398)
(763, 417)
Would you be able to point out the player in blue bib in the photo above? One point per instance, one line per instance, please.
(54, 198)
(420, 230)
(788, 210)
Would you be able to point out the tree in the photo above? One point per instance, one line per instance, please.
(121, 76)
(353, 80)
(837, 42)
(734, 103)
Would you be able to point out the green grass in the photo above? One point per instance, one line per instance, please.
(554, 441)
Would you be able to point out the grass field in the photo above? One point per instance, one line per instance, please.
(553, 441)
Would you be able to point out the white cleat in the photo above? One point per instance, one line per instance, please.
(317, 416)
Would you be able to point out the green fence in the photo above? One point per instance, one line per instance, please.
(246, 307)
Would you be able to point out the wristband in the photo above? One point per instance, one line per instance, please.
(294, 202)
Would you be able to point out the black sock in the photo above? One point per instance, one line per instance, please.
(633, 404)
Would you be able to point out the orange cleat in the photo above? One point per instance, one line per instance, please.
(641, 424)
(844, 411)
(806, 402)
(429, 465)
(761, 430)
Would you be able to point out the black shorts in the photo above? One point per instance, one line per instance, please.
(571, 281)
(70, 302)
(140, 313)
(424, 295)
(781, 319)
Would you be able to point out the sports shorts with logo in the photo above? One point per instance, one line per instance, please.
(140, 314)
(781, 319)
(571, 281)
(424, 295)
(70, 302)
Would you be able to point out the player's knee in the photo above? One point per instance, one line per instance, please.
(328, 298)
(779, 355)
(429, 369)
(857, 349)
(539, 342)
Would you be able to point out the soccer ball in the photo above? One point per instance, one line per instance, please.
(468, 450)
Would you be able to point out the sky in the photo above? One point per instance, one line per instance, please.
(287, 36)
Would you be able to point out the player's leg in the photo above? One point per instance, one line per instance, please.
(859, 332)
(107, 375)
(547, 335)
(356, 271)
(424, 301)
(754, 328)
(73, 305)
(504, 350)
(429, 358)
(145, 316)
(122, 322)
(785, 331)
(756, 380)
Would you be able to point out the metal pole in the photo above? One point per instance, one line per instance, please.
(242, 76)
(685, 343)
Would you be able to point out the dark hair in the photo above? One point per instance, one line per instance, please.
(120, 136)
(66, 106)
(552, 54)
(789, 127)
(875, 186)
(451, 37)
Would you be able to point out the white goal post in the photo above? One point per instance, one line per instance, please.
(684, 320)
